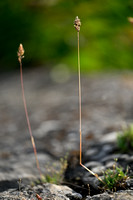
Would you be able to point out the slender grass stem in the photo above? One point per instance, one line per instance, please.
(20, 56)
(77, 25)
(80, 117)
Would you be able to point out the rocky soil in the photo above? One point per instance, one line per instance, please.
(107, 104)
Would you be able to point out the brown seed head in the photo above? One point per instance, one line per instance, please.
(77, 23)
(20, 52)
(130, 19)
(38, 197)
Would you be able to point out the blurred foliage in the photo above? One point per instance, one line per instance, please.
(125, 139)
(46, 30)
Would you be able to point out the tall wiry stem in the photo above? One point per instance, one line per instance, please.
(20, 56)
(79, 102)
(77, 24)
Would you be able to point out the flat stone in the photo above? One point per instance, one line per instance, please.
(91, 152)
(110, 137)
(103, 196)
(123, 195)
(46, 192)
(98, 170)
(48, 126)
(92, 164)
(92, 181)
(110, 164)
(111, 157)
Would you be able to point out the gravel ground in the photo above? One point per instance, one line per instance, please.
(107, 102)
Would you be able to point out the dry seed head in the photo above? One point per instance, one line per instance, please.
(20, 52)
(130, 19)
(77, 23)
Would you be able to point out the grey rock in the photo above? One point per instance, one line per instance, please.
(120, 195)
(107, 148)
(98, 170)
(46, 191)
(92, 181)
(110, 137)
(74, 196)
(111, 157)
(103, 151)
(62, 190)
(110, 164)
(92, 164)
(103, 196)
(48, 126)
(100, 155)
(130, 183)
(124, 157)
(123, 195)
(91, 152)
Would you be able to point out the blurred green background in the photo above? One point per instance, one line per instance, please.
(45, 27)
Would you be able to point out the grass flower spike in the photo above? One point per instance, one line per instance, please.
(20, 54)
(77, 25)
(130, 19)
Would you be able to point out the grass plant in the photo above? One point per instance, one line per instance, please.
(115, 178)
(53, 175)
(20, 57)
(77, 24)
